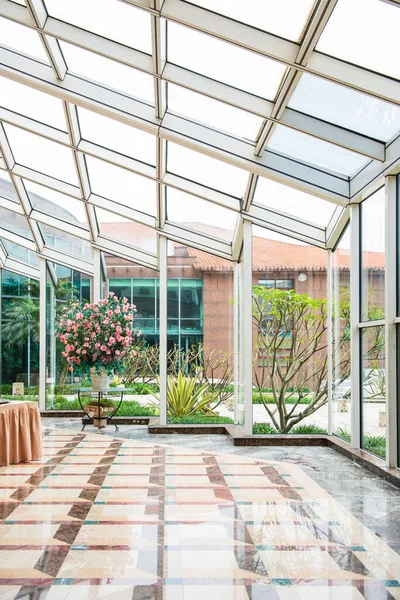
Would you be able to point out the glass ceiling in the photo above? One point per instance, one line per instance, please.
(119, 120)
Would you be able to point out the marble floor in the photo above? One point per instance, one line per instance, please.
(121, 518)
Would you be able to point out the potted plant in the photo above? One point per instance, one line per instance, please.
(97, 336)
(98, 411)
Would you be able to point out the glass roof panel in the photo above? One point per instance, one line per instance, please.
(213, 113)
(56, 204)
(15, 223)
(32, 103)
(200, 215)
(41, 154)
(223, 61)
(366, 33)
(109, 73)
(126, 231)
(22, 39)
(109, 18)
(117, 136)
(206, 170)
(20, 253)
(7, 189)
(288, 200)
(316, 152)
(122, 186)
(66, 243)
(346, 107)
(286, 18)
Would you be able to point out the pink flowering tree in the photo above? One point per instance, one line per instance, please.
(98, 335)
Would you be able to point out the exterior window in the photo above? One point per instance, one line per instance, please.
(185, 308)
(278, 284)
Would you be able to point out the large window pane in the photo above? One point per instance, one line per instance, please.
(224, 62)
(56, 204)
(126, 231)
(289, 335)
(66, 242)
(109, 18)
(22, 39)
(373, 422)
(364, 32)
(346, 107)
(373, 257)
(299, 204)
(41, 154)
(267, 15)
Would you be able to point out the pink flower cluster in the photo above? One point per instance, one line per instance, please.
(98, 334)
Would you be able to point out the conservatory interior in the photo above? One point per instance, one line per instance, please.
(199, 261)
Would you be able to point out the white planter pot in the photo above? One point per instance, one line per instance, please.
(100, 379)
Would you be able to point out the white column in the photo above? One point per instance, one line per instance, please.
(390, 315)
(247, 318)
(330, 342)
(96, 274)
(163, 263)
(355, 286)
(236, 342)
(42, 335)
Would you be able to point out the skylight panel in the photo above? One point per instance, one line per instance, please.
(20, 253)
(366, 33)
(32, 103)
(313, 151)
(346, 107)
(286, 18)
(200, 215)
(66, 243)
(7, 189)
(206, 170)
(283, 198)
(108, 73)
(58, 205)
(213, 113)
(41, 154)
(223, 61)
(112, 19)
(15, 223)
(111, 134)
(126, 231)
(122, 186)
(21, 39)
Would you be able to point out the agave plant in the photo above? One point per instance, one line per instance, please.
(185, 397)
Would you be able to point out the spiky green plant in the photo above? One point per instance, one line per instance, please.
(185, 397)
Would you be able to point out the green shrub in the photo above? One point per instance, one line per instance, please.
(375, 444)
(269, 399)
(198, 420)
(20, 398)
(127, 408)
(6, 388)
(266, 428)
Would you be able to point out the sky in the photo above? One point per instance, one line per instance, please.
(357, 21)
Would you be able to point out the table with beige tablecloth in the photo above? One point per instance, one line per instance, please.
(20, 433)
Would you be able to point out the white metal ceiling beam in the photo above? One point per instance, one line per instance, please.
(336, 227)
(179, 233)
(200, 138)
(38, 11)
(124, 251)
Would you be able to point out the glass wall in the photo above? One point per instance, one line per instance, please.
(19, 332)
(289, 335)
(200, 334)
(341, 384)
(373, 376)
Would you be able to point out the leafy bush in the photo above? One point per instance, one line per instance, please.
(127, 408)
(27, 398)
(6, 388)
(375, 444)
(185, 397)
(266, 428)
(198, 420)
(269, 399)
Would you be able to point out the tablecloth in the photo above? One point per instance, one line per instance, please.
(20, 433)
